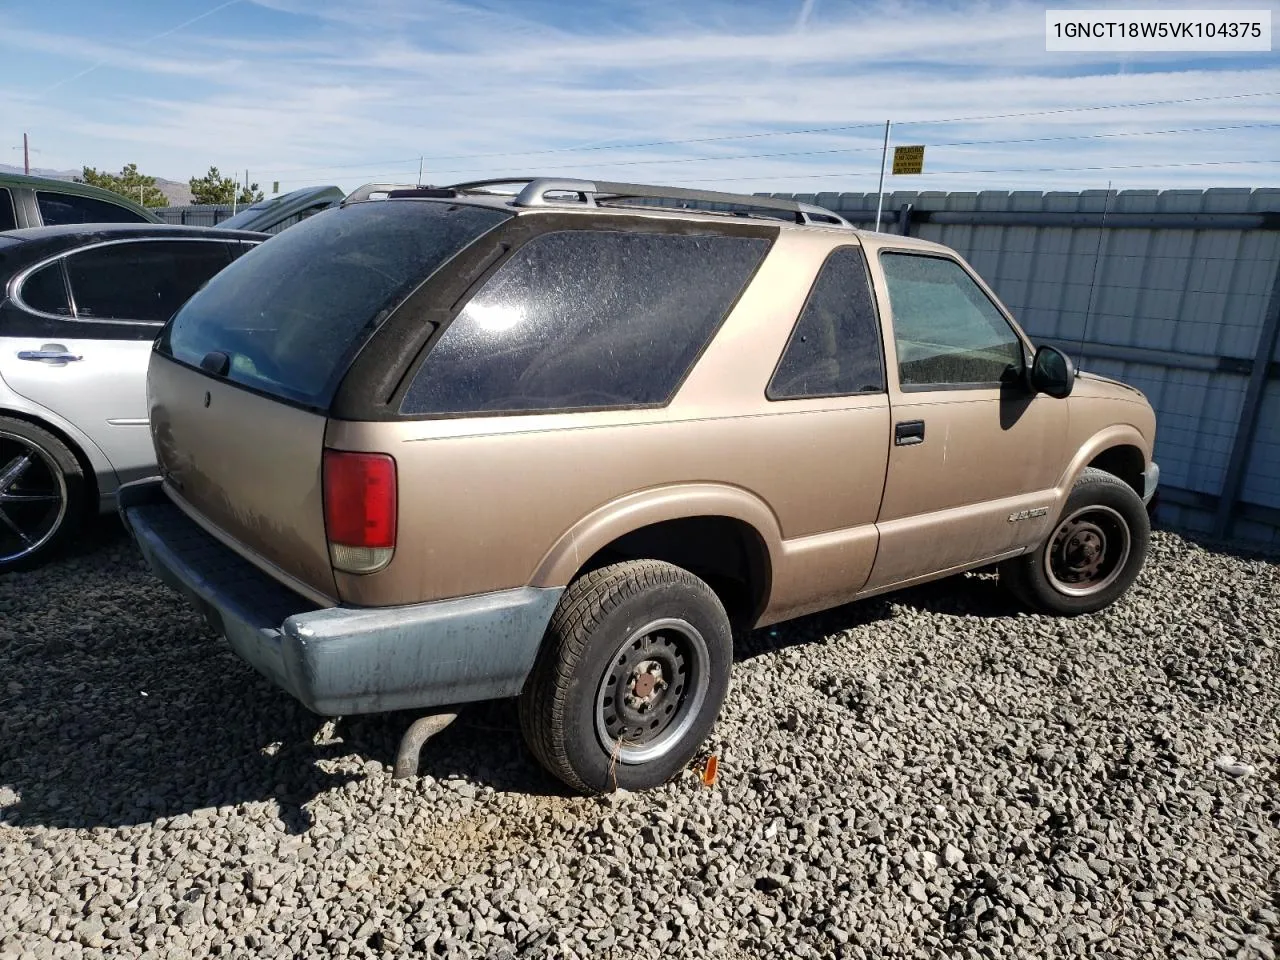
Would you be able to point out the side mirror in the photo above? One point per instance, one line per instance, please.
(1052, 372)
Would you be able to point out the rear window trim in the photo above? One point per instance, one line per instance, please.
(628, 225)
(16, 284)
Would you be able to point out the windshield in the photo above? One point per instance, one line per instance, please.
(292, 313)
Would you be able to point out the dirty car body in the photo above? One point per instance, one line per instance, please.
(501, 403)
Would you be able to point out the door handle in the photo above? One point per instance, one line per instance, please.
(908, 433)
(48, 356)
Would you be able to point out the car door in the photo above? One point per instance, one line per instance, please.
(975, 456)
(80, 340)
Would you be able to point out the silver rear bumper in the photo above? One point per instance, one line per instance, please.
(343, 660)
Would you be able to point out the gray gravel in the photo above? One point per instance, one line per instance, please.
(933, 772)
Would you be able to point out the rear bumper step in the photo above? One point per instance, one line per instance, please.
(343, 660)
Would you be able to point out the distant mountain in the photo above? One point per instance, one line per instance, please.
(179, 194)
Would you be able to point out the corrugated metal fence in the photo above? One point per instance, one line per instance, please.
(1176, 292)
(197, 214)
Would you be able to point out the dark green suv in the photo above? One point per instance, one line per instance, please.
(43, 202)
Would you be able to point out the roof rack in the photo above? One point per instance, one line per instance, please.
(547, 191)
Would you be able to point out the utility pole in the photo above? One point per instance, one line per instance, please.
(883, 156)
(26, 156)
(419, 171)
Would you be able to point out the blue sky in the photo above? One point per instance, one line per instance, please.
(345, 91)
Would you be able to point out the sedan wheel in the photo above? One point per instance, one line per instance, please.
(41, 491)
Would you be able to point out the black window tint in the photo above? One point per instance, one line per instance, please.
(46, 290)
(291, 312)
(144, 280)
(585, 319)
(60, 208)
(946, 329)
(8, 219)
(835, 346)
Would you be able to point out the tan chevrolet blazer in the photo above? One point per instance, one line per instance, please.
(565, 441)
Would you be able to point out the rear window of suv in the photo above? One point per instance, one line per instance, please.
(292, 313)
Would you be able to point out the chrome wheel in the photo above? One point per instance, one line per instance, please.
(1087, 551)
(33, 497)
(652, 691)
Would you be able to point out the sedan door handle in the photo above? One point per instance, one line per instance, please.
(48, 356)
(908, 433)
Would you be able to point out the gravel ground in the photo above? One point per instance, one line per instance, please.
(929, 773)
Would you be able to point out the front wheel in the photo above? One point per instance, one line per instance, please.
(630, 678)
(1093, 554)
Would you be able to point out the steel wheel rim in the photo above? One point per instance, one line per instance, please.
(640, 720)
(33, 497)
(1087, 551)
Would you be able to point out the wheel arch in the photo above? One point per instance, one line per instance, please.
(1120, 450)
(724, 534)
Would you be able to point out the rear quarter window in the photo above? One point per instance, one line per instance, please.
(57, 209)
(8, 219)
(585, 319)
(291, 313)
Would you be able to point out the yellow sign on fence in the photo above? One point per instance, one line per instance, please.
(908, 159)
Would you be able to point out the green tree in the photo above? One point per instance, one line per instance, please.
(213, 187)
(128, 183)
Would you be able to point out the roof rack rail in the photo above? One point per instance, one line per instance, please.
(369, 189)
(543, 191)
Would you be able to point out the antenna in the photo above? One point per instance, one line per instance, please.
(1093, 281)
(884, 153)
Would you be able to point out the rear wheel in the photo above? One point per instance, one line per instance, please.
(41, 494)
(1093, 554)
(630, 679)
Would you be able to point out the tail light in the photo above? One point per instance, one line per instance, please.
(359, 510)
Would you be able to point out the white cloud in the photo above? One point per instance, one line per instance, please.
(355, 88)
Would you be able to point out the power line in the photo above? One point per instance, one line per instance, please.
(850, 150)
(876, 149)
(955, 173)
(791, 133)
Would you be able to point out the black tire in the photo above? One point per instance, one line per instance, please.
(53, 470)
(567, 712)
(1103, 515)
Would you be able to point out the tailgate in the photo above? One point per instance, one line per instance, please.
(247, 466)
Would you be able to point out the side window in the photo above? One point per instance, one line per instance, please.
(60, 208)
(8, 219)
(46, 291)
(580, 319)
(142, 280)
(946, 329)
(834, 348)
